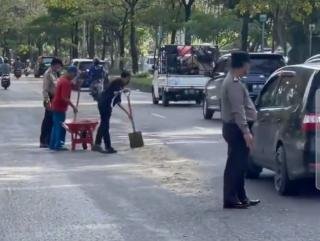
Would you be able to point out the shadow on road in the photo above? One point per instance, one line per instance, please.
(305, 188)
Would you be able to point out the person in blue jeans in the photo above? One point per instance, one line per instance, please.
(60, 105)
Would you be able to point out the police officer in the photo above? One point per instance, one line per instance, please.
(48, 90)
(238, 114)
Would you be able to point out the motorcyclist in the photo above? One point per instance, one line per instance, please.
(5, 67)
(18, 65)
(97, 78)
(96, 72)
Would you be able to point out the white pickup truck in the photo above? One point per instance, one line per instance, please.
(168, 88)
(181, 73)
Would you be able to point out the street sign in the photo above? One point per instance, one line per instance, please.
(263, 18)
(312, 27)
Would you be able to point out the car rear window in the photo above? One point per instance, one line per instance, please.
(85, 65)
(47, 60)
(265, 64)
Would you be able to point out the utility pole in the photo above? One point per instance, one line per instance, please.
(312, 28)
(263, 20)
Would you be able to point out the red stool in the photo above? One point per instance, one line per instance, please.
(81, 132)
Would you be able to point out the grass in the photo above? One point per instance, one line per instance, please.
(143, 81)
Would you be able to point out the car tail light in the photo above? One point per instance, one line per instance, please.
(311, 122)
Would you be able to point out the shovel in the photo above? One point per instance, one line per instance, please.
(77, 105)
(135, 138)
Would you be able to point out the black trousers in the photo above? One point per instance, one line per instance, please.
(104, 128)
(46, 127)
(237, 164)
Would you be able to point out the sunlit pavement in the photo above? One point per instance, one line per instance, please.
(169, 190)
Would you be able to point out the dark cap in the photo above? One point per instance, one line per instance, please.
(239, 59)
(72, 70)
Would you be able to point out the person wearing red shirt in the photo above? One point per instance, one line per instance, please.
(60, 104)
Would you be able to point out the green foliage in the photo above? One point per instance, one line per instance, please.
(49, 24)
(222, 29)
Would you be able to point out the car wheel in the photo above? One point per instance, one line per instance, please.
(165, 99)
(254, 170)
(207, 113)
(282, 183)
(155, 101)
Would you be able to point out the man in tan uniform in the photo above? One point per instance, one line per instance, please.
(49, 85)
(238, 114)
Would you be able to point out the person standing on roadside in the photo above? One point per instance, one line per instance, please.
(106, 102)
(238, 115)
(60, 104)
(49, 85)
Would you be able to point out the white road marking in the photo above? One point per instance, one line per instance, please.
(158, 115)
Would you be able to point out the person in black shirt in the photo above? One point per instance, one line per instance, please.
(107, 100)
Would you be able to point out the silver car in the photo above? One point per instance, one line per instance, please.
(262, 66)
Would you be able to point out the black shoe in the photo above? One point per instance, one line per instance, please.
(44, 146)
(238, 205)
(110, 150)
(63, 149)
(251, 202)
(98, 148)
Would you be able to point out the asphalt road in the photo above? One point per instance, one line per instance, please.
(169, 190)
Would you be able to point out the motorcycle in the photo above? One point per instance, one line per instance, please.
(5, 81)
(17, 73)
(26, 71)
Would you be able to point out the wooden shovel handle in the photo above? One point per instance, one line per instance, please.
(77, 104)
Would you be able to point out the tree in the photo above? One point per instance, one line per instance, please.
(132, 6)
(223, 29)
(187, 4)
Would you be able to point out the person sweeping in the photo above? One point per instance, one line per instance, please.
(60, 104)
(107, 100)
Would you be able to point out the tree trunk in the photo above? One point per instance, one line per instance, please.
(104, 44)
(121, 51)
(173, 36)
(75, 42)
(188, 12)
(111, 55)
(245, 31)
(133, 42)
(56, 47)
(281, 32)
(91, 47)
(40, 48)
(299, 43)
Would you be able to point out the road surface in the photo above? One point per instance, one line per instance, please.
(171, 190)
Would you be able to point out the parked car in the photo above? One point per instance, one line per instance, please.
(313, 59)
(84, 66)
(285, 130)
(262, 66)
(43, 63)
